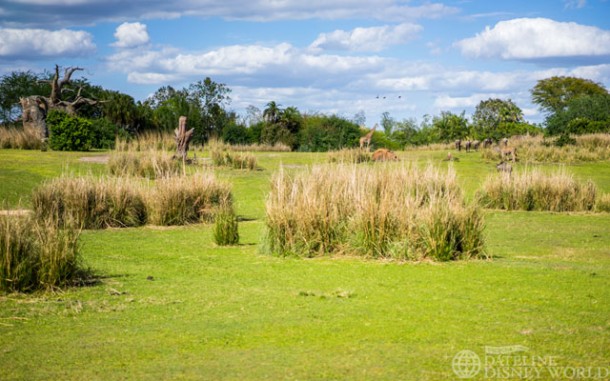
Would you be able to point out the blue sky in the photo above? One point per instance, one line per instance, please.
(408, 58)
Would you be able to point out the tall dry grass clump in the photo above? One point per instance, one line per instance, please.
(38, 254)
(226, 228)
(219, 145)
(146, 141)
(187, 199)
(603, 203)
(379, 212)
(536, 149)
(20, 138)
(152, 164)
(222, 156)
(349, 155)
(536, 190)
(92, 203)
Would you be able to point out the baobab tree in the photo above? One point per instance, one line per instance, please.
(36, 107)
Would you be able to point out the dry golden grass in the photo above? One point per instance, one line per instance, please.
(381, 212)
(20, 138)
(536, 190)
(349, 155)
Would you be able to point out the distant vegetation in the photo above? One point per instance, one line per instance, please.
(573, 106)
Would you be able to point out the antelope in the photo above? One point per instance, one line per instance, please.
(383, 154)
(458, 145)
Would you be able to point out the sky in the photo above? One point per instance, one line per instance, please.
(406, 57)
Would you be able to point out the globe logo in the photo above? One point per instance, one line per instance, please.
(466, 364)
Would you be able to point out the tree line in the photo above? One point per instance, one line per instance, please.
(572, 106)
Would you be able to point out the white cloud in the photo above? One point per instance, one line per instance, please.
(372, 39)
(32, 43)
(537, 38)
(577, 4)
(130, 35)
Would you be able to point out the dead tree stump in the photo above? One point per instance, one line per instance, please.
(183, 138)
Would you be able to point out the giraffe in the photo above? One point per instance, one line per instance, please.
(366, 139)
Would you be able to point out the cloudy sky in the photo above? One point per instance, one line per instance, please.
(406, 57)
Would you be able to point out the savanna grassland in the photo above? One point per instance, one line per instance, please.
(170, 304)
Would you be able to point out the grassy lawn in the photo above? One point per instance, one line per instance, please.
(173, 305)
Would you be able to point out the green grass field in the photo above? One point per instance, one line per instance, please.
(171, 305)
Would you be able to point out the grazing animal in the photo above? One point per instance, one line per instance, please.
(505, 142)
(476, 144)
(504, 167)
(468, 145)
(510, 151)
(458, 145)
(487, 143)
(366, 139)
(383, 154)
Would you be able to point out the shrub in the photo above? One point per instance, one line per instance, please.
(183, 200)
(38, 254)
(91, 203)
(536, 190)
(379, 212)
(69, 133)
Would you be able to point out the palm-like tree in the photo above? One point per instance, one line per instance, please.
(272, 112)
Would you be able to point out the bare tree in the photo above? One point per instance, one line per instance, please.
(36, 107)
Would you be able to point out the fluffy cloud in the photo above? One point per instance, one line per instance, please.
(130, 35)
(33, 43)
(373, 39)
(537, 39)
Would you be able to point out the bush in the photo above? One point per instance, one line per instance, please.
(69, 133)
(378, 212)
(603, 203)
(106, 133)
(38, 254)
(536, 190)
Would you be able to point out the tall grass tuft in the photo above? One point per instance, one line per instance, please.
(91, 202)
(223, 157)
(379, 212)
(349, 155)
(603, 203)
(183, 200)
(38, 254)
(152, 164)
(21, 138)
(536, 149)
(226, 228)
(146, 141)
(536, 190)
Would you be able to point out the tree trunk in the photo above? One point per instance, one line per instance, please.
(183, 138)
(34, 114)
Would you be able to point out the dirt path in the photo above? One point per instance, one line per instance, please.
(101, 159)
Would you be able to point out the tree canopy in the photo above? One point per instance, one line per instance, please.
(554, 94)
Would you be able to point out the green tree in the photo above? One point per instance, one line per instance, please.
(210, 98)
(387, 122)
(494, 118)
(16, 85)
(584, 114)
(554, 94)
(272, 112)
(450, 126)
